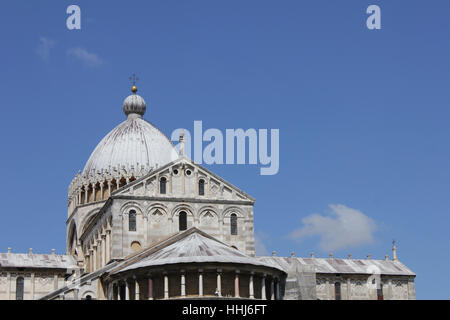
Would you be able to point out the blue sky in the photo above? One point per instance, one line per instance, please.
(363, 115)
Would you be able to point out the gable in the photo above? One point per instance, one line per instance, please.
(183, 180)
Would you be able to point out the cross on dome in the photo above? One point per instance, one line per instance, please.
(133, 79)
(134, 105)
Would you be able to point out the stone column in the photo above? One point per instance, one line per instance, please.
(108, 246)
(8, 288)
(236, 284)
(94, 192)
(145, 217)
(200, 282)
(86, 262)
(137, 289)
(103, 249)
(349, 289)
(32, 286)
(166, 286)
(263, 287)
(271, 290)
(55, 281)
(330, 286)
(251, 287)
(277, 289)
(183, 284)
(85, 194)
(110, 294)
(150, 287)
(109, 188)
(90, 262)
(390, 294)
(219, 283)
(94, 263)
(99, 253)
(127, 290)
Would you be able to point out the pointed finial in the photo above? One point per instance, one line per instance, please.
(394, 251)
(313, 255)
(181, 141)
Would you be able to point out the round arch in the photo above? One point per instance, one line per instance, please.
(88, 295)
(236, 210)
(132, 205)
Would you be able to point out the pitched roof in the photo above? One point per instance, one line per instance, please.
(342, 266)
(193, 246)
(27, 260)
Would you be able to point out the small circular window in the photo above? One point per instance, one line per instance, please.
(188, 172)
(175, 172)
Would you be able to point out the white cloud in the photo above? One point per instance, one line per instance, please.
(345, 228)
(260, 248)
(44, 47)
(89, 59)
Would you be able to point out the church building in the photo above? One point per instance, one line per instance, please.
(145, 223)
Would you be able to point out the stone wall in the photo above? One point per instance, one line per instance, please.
(36, 284)
(365, 287)
(156, 220)
(157, 216)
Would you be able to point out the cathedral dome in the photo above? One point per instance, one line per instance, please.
(133, 145)
(132, 149)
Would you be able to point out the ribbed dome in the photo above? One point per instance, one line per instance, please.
(133, 143)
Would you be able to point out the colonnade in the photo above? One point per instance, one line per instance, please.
(98, 253)
(129, 288)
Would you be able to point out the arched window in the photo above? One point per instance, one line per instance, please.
(201, 187)
(162, 185)
(19, 288)
(337, 291)
(233, 223)
(132, 221)
(182, 221)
